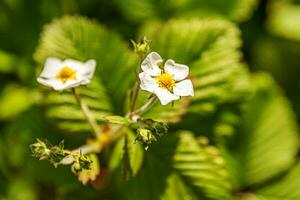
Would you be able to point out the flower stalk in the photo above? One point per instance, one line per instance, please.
(88, 115)
(140, 49)
(151, 101)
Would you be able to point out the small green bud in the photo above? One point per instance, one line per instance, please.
(142, 47)
(145, 136)
(83, 162)
(57, 154)
(149, 130)
(158, 128)
(40, 149)
(44, 150)
(76, 167)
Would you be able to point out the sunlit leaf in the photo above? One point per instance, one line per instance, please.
(196, 171)
(138, 11)
(268, 141)
(284, 19)
(129, 156)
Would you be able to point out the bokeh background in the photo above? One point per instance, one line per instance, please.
(270, 43)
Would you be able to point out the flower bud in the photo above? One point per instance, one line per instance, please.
(142, 47)
(40, 149)
(82, 163)
(145, 136)
(158, 128)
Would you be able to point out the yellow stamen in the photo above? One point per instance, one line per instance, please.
(66, 73)
(165, 81)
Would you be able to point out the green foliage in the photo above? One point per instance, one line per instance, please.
(66, 112)
(268, 140)
(197, 170)
(138, 11)
(14, 100)
(250, 123)
(7, 62)
(128, 154)
(284, 19)
(217, 72)
(202, 167)
(287, 187)
(20, 189)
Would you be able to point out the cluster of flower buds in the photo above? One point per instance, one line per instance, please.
(149, 130)
(57, 155)
(43, 150)
(40, 149)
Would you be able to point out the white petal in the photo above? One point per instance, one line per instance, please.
(54, 83)
(147, 82)
(89, 68)
(73, 64)
(178, 71)
(184, 88)
(150, 64)
(74, 83)
(165, 96)
(51, 68)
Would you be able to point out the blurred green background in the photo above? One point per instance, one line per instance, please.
(270, 42)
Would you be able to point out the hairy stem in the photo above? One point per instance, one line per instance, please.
(88, 114)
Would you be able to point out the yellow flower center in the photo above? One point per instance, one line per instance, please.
(165, 81)
(66, 73)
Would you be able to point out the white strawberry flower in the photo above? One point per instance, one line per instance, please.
(169, 83)
(66, 74)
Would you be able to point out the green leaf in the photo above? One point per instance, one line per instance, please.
(7, 62)
(80, 38)
(130, 156)
(21, 188)
(139, 11)
(284, 19)
(63, 108)
(189, 170)
(14, 100)
(268, 141)
(118, 120)
(176, 189)
(217, 73)
(203, 168)
(286, 187)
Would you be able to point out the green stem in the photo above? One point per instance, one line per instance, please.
(88, 114)
(136, 88)
(146, 106)
(134, 97)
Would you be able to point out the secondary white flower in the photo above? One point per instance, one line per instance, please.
(66, 74)
(168, 84)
